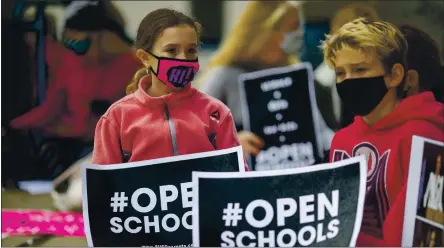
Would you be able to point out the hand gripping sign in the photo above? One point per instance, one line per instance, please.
(318, 205)
(147, 203)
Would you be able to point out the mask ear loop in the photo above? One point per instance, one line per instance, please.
(151, 68)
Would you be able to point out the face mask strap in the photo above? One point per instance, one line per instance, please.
(158, 63)
(155, 56)
(150, 69)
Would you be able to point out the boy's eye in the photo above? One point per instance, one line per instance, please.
(361, 69)
(339, 73)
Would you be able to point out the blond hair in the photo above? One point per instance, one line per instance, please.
(134, 84)
(383, 38)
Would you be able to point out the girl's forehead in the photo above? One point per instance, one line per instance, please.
(182, 34)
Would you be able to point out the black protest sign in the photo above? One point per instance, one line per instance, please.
(424, 215)
(147, 203)
(318, 205)
(279, 106)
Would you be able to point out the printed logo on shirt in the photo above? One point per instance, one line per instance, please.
(377, 203)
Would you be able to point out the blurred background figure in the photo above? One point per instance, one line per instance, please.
(425, 68)
(260, 46)
(89, 73)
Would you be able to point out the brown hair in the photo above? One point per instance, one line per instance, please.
(149, 29)
(423, 56)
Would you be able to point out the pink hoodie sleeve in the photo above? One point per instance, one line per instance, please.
(227, 135)
(106, 143)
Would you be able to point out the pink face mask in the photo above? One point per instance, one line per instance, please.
(176, 73)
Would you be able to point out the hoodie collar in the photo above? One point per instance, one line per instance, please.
(422, 106)
(171, 99)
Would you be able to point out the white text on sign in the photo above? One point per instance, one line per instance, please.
(166, 194)
(277, 214)
(276, 84)
(286, 156)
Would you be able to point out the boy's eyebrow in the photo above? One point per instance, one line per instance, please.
(351, 65)
(358, 64)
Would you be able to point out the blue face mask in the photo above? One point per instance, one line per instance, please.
(80, 47)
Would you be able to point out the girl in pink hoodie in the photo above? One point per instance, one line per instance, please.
(163, 115)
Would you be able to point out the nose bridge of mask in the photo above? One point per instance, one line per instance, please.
(171, 62)
(160, 58)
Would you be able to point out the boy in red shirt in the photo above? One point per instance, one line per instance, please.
(164, 116)
(370, 64)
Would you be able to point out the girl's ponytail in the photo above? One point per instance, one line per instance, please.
(134, 84)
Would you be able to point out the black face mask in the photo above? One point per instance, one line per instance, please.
(362, 95)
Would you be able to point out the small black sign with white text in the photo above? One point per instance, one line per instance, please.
(278, 106)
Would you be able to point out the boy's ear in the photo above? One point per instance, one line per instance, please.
(143, 56)
(397, 75)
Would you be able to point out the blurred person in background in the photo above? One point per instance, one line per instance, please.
(370, 61)
(95, 67)
(53, 48)
(258, 41)
(20, 90)
(425, 72)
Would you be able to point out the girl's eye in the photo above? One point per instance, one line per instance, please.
(171, 50)
(192, 50)
(361, 69)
